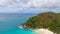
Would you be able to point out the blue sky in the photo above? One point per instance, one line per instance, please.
(29, 6)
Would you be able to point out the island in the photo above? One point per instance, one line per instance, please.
(46, 20)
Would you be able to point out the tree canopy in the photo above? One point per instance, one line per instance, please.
(47, 20)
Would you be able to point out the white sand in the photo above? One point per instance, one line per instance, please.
(44, 31)
(41, 31)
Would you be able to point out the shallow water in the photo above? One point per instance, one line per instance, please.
(9, 23)
(19, 31)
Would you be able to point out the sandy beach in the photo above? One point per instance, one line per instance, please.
(40, 31)
(43, 31)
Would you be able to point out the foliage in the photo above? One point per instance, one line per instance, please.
(47, 20)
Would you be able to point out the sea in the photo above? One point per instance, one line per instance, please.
(9, 23)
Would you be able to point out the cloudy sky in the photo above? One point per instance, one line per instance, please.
(29, 6)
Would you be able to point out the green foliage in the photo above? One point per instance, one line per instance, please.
(48, 20)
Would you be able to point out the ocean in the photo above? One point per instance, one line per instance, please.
(9, 23)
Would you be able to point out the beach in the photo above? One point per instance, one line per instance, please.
(40, 31)
(43, 31)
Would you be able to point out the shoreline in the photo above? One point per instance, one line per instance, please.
(40, 31)
(43, 31)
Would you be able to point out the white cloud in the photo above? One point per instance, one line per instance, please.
(25, 4)
(29, 3)
(43, 3)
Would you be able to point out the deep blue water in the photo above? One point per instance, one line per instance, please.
(9, 23)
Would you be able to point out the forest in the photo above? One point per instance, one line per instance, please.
(47, 20)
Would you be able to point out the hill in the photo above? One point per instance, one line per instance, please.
(47, 20)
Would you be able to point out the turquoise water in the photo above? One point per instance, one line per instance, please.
(9, 23)
(19, 31)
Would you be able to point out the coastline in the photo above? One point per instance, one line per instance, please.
(39, 31)
(43, 31)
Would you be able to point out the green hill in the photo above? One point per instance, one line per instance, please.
(45, 20)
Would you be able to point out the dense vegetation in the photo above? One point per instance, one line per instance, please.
(47, 20)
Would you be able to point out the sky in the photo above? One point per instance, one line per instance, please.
(29, 6)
